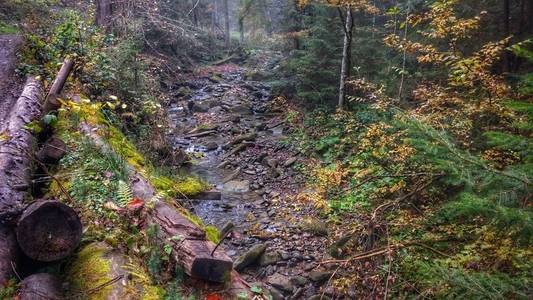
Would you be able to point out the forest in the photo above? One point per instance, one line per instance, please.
(266, 149)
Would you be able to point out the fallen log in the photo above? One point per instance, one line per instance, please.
(8, 254)
(52, 151)
(52, 102)
(200, 134)
(41, 286)
(241, 138)
(15, 169)
(190, 247)
(15, 163)
(48, 230)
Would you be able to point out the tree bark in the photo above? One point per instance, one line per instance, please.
(507, 33)
(400, 89)
(346, 55)
(52, 151)
(103, 13)
(41, 286)
(227, 38)
(51, 102)
(8, 253)
(48, 231)
(15, 151)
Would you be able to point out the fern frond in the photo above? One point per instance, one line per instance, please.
(124, 194)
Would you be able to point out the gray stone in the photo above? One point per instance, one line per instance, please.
(237, 186)
(210, 146)
(281, 282)
(249, 257)
(269, 258)
(299, 280)
(276, 294)
(319, 276)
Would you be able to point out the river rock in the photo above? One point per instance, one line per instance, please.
(237, 186)
(269, 258)
(290, 162)
(281, 282)
(299, 280)
(200, 107)
(319, 276)
(276, 294)
(249, 257)
(210, 146)
(242, 109)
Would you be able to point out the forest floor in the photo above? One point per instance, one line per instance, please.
(255, 180)
(10, 85)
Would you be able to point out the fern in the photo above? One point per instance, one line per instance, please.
(124, 194)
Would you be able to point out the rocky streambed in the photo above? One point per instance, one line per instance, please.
(238, 144)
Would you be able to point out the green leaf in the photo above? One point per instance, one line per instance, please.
(50, 120)
(256, 289)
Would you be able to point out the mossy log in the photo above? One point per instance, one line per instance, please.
(41, 286)
(48, 230)
(191, 247)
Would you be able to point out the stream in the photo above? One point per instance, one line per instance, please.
(253, 180)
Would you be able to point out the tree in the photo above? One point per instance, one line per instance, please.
(227, 38)
(346, 64)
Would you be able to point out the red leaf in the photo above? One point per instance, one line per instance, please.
(135, 204)
(213, 297)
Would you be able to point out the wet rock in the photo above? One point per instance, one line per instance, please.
(319, 297)
(314, 226)
(249, 257)
(235, 119)
(276, 294)
(231, 176)
(200, 107)
(241, 109)
(290, 162)
(210, 146)
(281, 282)
(319, 276)
(299, 280)
(237, 186)
(269, 258)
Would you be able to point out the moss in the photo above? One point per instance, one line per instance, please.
(189, 186)
(7, 29)
(151, 292)
(212, 233)
(123, 146)
(89, 270)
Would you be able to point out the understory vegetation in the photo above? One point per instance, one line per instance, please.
(420, 162)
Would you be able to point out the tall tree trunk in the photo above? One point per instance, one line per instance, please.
(506, 32)
(227, 41)
(400, 89)
(346, 55)
(103, 13)
(241, 29)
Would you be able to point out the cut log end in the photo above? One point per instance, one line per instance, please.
(211, 269)
(52, 151)
(40, 286)
(8, 253)
(48, 231)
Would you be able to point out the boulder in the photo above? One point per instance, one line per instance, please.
(250, 257)
(281, 282)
